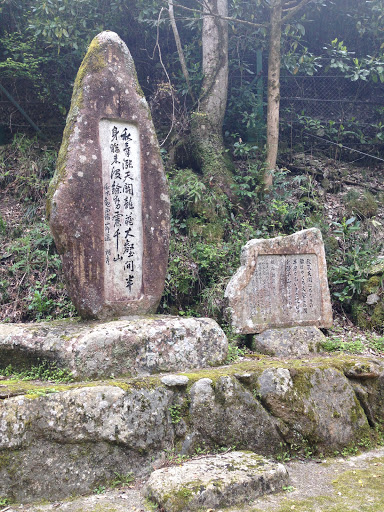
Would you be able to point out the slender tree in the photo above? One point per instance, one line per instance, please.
(280, 12)
(207, 120)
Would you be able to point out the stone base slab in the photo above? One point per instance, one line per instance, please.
(61, 440)
(216, 481)
(128, 346)
(289, 342)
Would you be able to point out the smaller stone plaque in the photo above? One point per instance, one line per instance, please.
(282, 283)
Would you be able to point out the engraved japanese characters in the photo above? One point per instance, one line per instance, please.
(282, 283)
(108, 202)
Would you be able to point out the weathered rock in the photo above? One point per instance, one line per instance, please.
(317, 405)
(108, 201)
(174, 380)
(226, 414)
(377, 268)
(83, 435)
(58, 440)
(373, 298)
(217, 481)
(282, 282)
(132, 346)
(289, 342)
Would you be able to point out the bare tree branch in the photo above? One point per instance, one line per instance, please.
(225, 18)
(293, 10)
(180, 50)
(157, 47)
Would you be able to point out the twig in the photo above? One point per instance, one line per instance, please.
(293, 10)
(157, 46)
(225, 18)
(180, 50)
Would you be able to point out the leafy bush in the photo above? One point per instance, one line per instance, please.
(26, 167)
(351, 260)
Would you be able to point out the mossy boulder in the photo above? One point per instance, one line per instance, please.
(365, 205)
(85, 432)
(208, 231)
(216, 481)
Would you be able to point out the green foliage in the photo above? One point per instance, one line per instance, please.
(100, 489)
(20, 58)
(68, 24)
(354, 68)
(33, 277)
(284, 213)
(351, 260)
(3, 226)
(249, 183)
(31, 281)
(303, 62)
(43, 370)
(335, 343)
(363, 205)
(4, 501)
(122, 480)
(377, 343)
(234, 353)
(175, 412)
(35, 167)
(173, 458)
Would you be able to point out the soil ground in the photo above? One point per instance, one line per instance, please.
(354, 484)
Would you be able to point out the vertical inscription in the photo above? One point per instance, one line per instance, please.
(265, 287)
(283, 289)
(123, 239)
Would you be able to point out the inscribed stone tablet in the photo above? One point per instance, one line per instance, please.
(108, 201)
(123, 225)
(282, 283)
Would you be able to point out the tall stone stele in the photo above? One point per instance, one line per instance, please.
(108, 203)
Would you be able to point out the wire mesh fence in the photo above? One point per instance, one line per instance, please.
(327, 108)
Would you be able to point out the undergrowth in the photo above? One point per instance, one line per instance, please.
(43, 370)
(207, 234)
(31, 280)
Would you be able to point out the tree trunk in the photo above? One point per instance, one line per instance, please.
(207, 121)
(273, 109)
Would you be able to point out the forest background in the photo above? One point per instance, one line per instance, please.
(216, 65)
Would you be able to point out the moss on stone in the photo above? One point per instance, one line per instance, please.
(209, 231)
(92, 63)
(376, 269)
(364, 206)
(360, 315)
(369, 317)
(371, 286)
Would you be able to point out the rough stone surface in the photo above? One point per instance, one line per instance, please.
(175, 380)
(282, 282)
(58, 440)
(217, 481)
(315, 485)
(289, 342)
(373, 298)
(318, 405)
(83, 435)
(108, 201)
(132, 346)
(225, 413)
